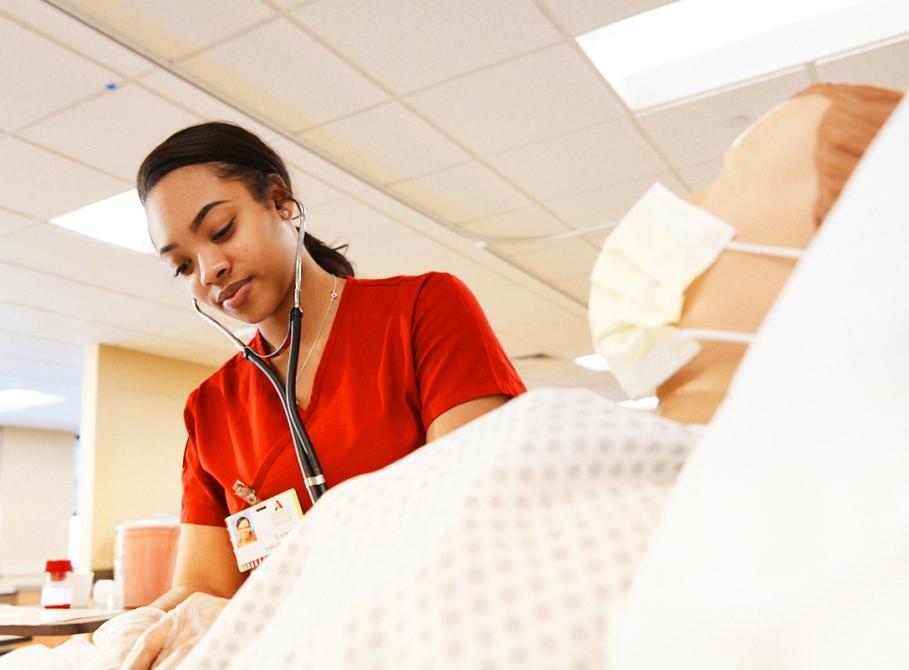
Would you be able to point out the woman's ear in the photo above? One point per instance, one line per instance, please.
(278, 192)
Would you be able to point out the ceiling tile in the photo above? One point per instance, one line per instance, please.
(701, 130)
(516, 347)
(31, 320)
(580, 161)
(187, 96)
(462, 193)
(110, 308)
(409, 44)
(700, 175)
(113, 132)
(563, 259)
(411, 255)
(11, 222)
(525, 222)
(289, 4)
(44, 185)
(607, 204)
(578, 286)
(513, 308)
(39, 348)
(309, 190)
(174, 28)
(16, 280)
(54, 24)
(349, 222)
(318, 167)
(299, 85)
(546, 93)
(884, 66)
(386, 144)
(29, 368)
(144, 277)
(40, 77)
(55, 250)
(581, 16)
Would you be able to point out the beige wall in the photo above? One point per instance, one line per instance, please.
(132, 439)
(36, 498)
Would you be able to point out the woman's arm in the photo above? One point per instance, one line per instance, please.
(458, 415)
(205, 562)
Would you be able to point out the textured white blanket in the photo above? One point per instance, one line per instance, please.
(506, 544)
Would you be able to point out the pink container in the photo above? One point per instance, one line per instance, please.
(144, 556)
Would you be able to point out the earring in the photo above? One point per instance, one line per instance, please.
(285, 213)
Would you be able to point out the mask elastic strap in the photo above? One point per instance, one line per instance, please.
(764, 249)
(711, 335)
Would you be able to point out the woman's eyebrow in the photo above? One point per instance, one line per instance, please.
(194, 226)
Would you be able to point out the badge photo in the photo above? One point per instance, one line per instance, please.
(257, 530)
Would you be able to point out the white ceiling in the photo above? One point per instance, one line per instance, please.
(412, 127)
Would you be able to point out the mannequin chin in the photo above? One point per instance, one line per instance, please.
(768, 189)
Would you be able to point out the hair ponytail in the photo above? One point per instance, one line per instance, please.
(234, 153)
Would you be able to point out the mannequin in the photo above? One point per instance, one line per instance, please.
(777, 183)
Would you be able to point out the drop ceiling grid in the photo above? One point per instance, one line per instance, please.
(388, 143)
(224, 42)
(413, 192)
(410, 44)
(299, 85)
(176, 29)
(702, 129)
(131, 120)
(46, 76)
(557, 208)
(427, 202)
(54, 25)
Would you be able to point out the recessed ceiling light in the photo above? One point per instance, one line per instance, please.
(594, 362)
(648, 404)
(117, 220)
(12, 400)
(688, 47)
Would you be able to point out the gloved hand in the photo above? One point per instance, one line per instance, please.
(172, 637)
(114, 640)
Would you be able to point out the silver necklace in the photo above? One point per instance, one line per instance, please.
(332, 297)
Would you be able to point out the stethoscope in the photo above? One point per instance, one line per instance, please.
(313, 478)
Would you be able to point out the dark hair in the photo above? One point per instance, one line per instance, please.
(233, 153)
(242, 518)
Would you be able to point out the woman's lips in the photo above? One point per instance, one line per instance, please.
(237, 296)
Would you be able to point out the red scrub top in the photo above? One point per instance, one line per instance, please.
(401, 351)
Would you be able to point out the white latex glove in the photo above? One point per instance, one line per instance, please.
(171, 638)
(116, 637)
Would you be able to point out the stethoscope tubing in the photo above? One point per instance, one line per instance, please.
(313, 478)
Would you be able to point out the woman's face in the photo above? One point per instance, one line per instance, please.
(232, 252)
(243, 529)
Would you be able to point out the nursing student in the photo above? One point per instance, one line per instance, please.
(385, 365)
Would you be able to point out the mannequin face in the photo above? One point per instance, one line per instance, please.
(767, 190)
(768, 184)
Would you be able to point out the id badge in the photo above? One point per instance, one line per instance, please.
(257, 530)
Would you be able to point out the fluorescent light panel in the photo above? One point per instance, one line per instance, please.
(13, 400)
(689, 47)
(119, 220)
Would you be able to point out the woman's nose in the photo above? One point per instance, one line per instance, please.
(212, 269)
